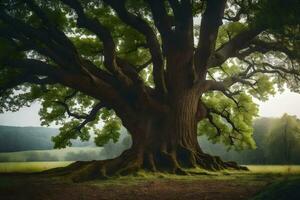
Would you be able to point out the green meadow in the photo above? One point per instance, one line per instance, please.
(29, 167)
(261, 182)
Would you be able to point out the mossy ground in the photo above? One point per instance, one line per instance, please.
(260, 182)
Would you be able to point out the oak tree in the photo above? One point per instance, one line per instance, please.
(167, 70)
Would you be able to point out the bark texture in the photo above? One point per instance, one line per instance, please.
(166, 143)
(162, 119)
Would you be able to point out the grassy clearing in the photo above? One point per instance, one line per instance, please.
(29, 167)
(257, 175)
(263, 182)
(283, 169)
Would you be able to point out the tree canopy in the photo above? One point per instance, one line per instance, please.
(84, 59)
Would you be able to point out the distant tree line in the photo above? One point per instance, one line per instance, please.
(13, 139)
(277, 142)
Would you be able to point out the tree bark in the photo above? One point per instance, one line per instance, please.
(164, 142)
(162, 120)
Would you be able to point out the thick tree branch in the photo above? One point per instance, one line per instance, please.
(104, 35)
(130, 70)
(52, 27)
(231, 48)
(57, 45)
(27, 42)
(175, 5)
(152, 43)
(35, 67)
(274, 46)
(261, 46)
(211, 20)
(97, 89)
(15, 28)
(183, 14)
(24, 78)
(161, 19)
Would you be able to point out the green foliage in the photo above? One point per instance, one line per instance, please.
(273, 144)
(110, 131)
(277, 14)
(14, 99)
(260, 85)
(263, 87)
(233, 118)
(88, 47)
(228, 31)
(67, 132)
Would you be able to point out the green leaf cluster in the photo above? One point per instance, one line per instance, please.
(233, 118)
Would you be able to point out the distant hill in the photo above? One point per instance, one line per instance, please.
(14, 138)
(30, 139)
(23, 144)
(67, 154)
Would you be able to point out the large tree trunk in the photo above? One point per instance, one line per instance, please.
(166, 142)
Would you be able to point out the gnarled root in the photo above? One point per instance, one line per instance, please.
(215, 163)
(130, 161)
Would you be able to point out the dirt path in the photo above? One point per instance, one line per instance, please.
(26, 188)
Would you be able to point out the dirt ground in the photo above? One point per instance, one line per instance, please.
(24, 187)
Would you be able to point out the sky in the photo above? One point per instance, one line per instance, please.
(276, 106)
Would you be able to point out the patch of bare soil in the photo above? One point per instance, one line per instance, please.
(150, 189)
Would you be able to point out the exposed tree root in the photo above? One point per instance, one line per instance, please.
(80, 171)
(130, 161)
(215, 163)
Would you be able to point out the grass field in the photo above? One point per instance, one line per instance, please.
(284, 169)
(29, 167)
(262, 182)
